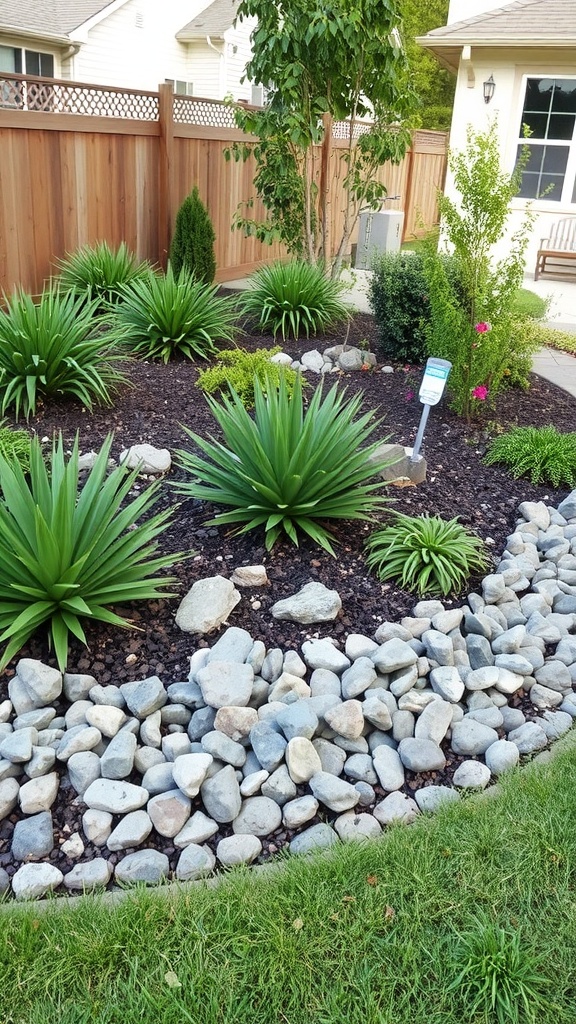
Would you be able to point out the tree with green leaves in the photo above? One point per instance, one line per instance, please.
(323, 60)
(434, 84)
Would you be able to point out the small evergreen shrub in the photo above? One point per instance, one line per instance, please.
(287, 469)
(541, 453)
(192, 246)
(398, 296)
(99, 272)
(293, 299)
(237, 369)
(15, 444)
(162, 316)
(425, 554)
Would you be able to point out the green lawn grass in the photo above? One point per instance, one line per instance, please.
(373, 934)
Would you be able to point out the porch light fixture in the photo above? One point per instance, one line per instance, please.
(488, 86)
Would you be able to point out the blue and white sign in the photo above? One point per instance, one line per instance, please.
(434, 381)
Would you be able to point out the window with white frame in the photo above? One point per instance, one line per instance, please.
(550, 114)
(26, 62)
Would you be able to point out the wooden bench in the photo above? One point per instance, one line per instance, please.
(558, 250)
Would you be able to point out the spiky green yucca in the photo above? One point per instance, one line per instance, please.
(425, 554)
(541, 453)
(236, 370)
(164, 315)
(293, 299)
(66, 554)
(98, 271)
(49, 349)
(498, 980)
(192, 246)
(287, 469)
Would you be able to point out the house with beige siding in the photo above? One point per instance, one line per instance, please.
(134, 44)
(516, 65)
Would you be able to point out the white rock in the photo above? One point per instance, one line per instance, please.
(313, 603)
(396, 807)
(207, 605)
(146, 458)
(195, 862)
(249, 576)
(39, 794)
(34, 880)
(239, 849)
(189, 772)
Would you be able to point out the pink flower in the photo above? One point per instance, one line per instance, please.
(480, 392)
(483, 327)
(409, 396)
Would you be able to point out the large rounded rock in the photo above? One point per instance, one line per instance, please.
(336, 794)
(148, 866)
(207, 605)
(33, 838)
(195, 862)
(115, 796)
(259, 816)
(313, 603)
(239, 849)
(34, 880)
(225, 683)
(472, 738)
(221, 795)
(421, 755)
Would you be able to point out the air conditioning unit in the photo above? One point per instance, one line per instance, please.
(258, 96)
(379, 231)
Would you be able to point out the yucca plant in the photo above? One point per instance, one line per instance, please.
(99, 272)
(164, 315)
(49, 349)
(237, 369)
(541, 453)
(287, 469)
(15, 444)
(425, 554)
(67, 554)
(293, 299)
(497, 979)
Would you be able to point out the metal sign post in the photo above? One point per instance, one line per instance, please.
(431, 391)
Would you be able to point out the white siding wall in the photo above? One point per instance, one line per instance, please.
(205, 69)
(509, 69)
(238, 53)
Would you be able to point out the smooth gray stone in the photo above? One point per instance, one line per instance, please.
(83, 770)
(427, 609)
(169, 812)
(33, 837)
(555, 723)
(430, 798)
(279, 786)
(472, 738)
(76, 714)
(197, 830)
(512, 718)
(34, 880)
(8, 770)
(479, 651)
(107, 695)
(259, 816)
(359, 646)
(421, 755)
(9, 790)
(224, 748)
(367, 794)
(159, 778)
(115, 796)
(394, 655)
(446, 681)
(240, 849)
(20, 698)
(225, 683)
(187, 693)
(331, 756)
(318, 837)
(569, 705)
(293, 664)
(434, 722)
(555, 675)
(17, 747)
(471, 775)
(492, 717)
(334, 793)
(79, 738)
(273, 665)
(352, 827)
(439, 648)
(39, 718)
(515, 663)
(323, 654)
(323, 682)
(175, 714)
(268, 744)
(376, 711)
(298, 719)
(146, 757)
(357, 678)
(389, 768)
(445, 622)
(403, 723)
(543, 697)
(202, 721)
(479, 624)
(131, 830)
(396, 807)
(403, 680)
(297, 812)
(117, 761)
(313, 603)
(77, 686)
(145, 696)
(478, 700)
(221, 795)
(352, 746)
(360, 768)
(501, 756)
(195, 862)
(529, 738)
(302, 759)
(390, 631)
(235, 645)
(93, 874)
(148, 866)
(43, 683)
(510, 641)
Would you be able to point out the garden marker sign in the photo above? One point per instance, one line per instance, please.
(431, 390)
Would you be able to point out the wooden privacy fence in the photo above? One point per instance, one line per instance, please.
(84, 163)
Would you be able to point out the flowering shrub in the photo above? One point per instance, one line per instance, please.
(480, 392)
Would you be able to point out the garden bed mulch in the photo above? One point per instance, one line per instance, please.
(162, 398)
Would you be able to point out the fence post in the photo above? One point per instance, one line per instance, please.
(165, 170)
(409, 212)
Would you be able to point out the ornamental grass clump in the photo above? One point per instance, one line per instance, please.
(541, 453)
(15, 444)
(52, 349)
(287, 469)
(426, 555)
(293, 299)
(237, 369)
(68, 553)
(163, 316)
(99, 272)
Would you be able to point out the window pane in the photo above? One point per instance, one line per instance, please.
(46, 65)
(555, 159)
(538, 93)
(554, 182)
(10, 59)
(537, 124)
(32, 63)
(536, 157)
(529, 186)
(561, 126)
(564, 95)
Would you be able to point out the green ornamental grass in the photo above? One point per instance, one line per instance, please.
(541, 453)
(163, 315)
(293, 299)
(99, 272)
(15, 444)
(287, 469)
(50, 349)
(68, 553)
(236, 370)
(425, 554)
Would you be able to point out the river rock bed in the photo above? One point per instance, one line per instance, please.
(259, 749)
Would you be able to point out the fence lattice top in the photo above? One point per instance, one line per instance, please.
(57, 97)
(212, 113)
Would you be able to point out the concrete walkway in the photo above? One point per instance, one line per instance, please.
(557, 367)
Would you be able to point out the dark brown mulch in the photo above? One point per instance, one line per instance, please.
(164, 397)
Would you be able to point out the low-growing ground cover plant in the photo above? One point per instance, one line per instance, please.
(163, 316)
(287, 469)
(51, 348)
(99, 272)
(69, 552)
(541, 453)
(294, 299)
(15, 444)
(236, 370)
(425, 554)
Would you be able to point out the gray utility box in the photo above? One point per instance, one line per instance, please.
(378, 232)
